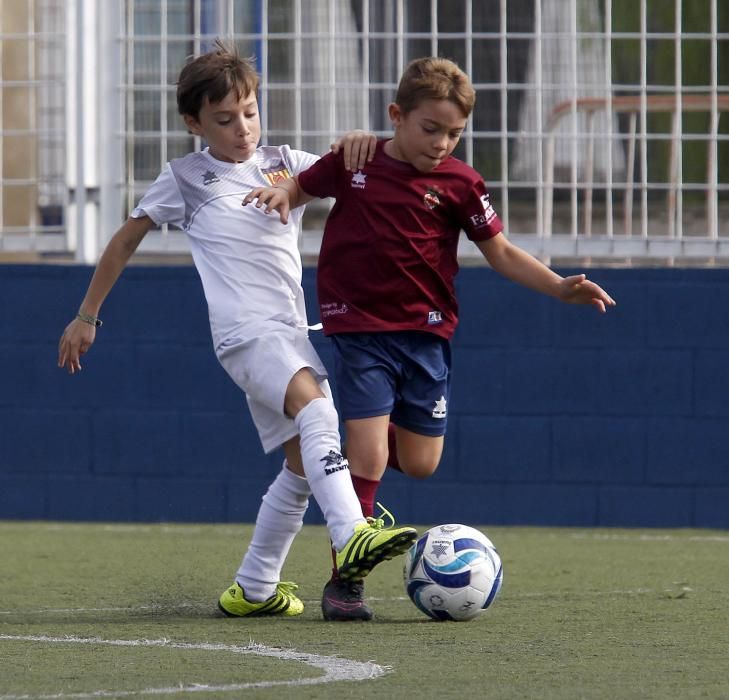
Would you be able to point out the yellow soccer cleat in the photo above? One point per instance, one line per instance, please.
(234, 604)
(371, 544)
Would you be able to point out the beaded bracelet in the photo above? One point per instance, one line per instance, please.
(91, 320)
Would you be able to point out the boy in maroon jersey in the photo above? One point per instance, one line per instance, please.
(386, 282)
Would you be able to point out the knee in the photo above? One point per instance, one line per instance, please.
(418, 455)
(325, 409)
(418, 469)
(302, 391)
(369, 464)
(319, 413)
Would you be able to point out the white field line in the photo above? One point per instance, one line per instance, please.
(335, 668)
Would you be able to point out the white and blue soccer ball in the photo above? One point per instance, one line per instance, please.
(453, 572)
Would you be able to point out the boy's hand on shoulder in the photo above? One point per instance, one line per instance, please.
(358, 148)
(577, 289)
(273, 198)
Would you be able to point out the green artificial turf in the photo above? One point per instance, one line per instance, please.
(94, 610)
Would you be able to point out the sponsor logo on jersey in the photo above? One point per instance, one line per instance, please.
(333, 309)
(439, 410)
(488, 213)
(276, 173)
(434, 318)
(358, 180)
(431, 198)
(209, 177)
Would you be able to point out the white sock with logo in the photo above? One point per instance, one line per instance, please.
(327, 471)
(279, 519)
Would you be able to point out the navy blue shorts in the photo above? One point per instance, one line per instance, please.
(403, 374)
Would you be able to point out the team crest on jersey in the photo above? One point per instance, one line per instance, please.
(431, 198)
(209, 177)
(276, 173)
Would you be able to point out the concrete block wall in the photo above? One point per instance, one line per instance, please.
(558, 416)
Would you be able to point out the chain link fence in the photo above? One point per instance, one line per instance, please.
(599, 126)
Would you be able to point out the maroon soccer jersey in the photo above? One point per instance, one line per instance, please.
(389, 254)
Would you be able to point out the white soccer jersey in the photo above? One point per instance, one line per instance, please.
(248, 261)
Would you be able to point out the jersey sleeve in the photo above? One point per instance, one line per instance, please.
(477, 215)
(163, 201)
(300, 161)
(321, 179)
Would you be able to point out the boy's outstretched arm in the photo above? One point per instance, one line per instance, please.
(518, 265)
(79, 335)
(282, 197)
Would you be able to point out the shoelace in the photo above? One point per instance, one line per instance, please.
(379, 523)
(286, 588)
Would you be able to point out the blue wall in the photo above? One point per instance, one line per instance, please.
(559, 415)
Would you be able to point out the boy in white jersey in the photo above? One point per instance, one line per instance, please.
(250, 269)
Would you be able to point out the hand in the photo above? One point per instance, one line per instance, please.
(75, 341)
(358, 147)
(274, 198)
(577, 289)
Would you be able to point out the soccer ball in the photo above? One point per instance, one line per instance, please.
(453, 572)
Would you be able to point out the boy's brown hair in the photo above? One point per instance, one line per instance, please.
(214, 75)
(434, 78)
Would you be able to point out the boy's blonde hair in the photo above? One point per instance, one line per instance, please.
(434, 78)
(214, 75)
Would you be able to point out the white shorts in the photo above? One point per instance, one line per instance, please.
(263, 367)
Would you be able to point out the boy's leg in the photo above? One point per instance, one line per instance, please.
(360, 545)
(279, 519)
(372, 386)
(368, 469)
(366, 489)
(415, 455)
(393, 461)
(279, 369)
(344, 600)
(370, 443)
(321, 456)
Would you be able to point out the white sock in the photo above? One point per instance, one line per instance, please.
(327, 471)
(279, 519)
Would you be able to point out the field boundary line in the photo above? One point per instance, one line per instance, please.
(335, 668)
